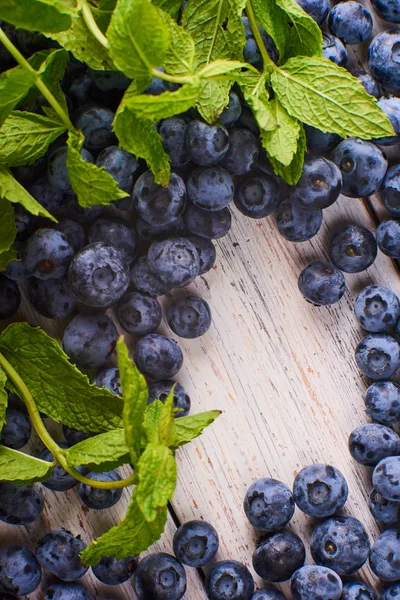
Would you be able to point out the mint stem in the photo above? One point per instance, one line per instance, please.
(57, 452)
(21, 60)
(267, 60)
(92, 25)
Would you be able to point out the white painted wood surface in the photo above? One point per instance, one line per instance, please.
(284, 374)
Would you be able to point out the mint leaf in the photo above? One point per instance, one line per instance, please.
(281, 142)
(60, 391)
(319, 93)
(223, 67)
(52, 71)
(22, 469)
(25, 136)
(156, 473)
(103, 13)
(166, 417)
(6, 257)
(37, 15)
(138, 38)
(172, 7)
(213, 98)
(130, 537)
(179, 56)
(167, 104)
(14, 85)
(135, 394)
(101, 452)
(151, 422)
(257, 97)
(187, 428)
(273, 19)
(3, 398)
(92, 184)
(305, 37)
(8, 229)
(291, 173)
(13, 191)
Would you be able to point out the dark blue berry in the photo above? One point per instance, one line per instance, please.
(385, 512)
(313, 581)
(334, 50)
(383, 59)
(175, 261)
(160, 390)
(386, 478)
(77, 212)
(388, 238)
(258, 196)
(350, 22)
(251, 52)
(173, 132)
(47, 195)
(353, 248)
(156, 204)
(60, 480)
(320, 142)
(24, 220)
(16, 429)
(377, 308)
(319, 186)
(79, 90)
(58, 553)
(382, 402)
(232, 112)
(96, 124)
(391, 190)
(268, 504)
(357, 590)
(67, 591)
(392, 592)
(158, 356)
(20, 572)
(189, 316)
(206, 250)
(391, 107)
(384, 558)
(10, 297)
(159, 576)
(96, 498)
(320, 490)
(114, 572)
(278, 555)
(51, 298)
(242, 153)
(20, 505)
(158, 86)
(74, 231)
(389, 10)
(206, 223)
(48, 254)
(210, 188)
(321, 283)
(17, 269)
(268, 594)
(206, 144)
(369, 83)
(89, 340)
(229, 579)
(139, 314)
(110, 379)
(317, 9)
(57, 172)
(378, 355)
(109, 81)
(371, 442)
(121, 165)
(116, 233)
(297, 224)
(150, 232)
(195, 543)
(145, 281)
(74, 436)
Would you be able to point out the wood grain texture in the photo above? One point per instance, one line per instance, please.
(283, 373)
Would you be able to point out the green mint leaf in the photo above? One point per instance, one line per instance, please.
(281, 142)
(187, 428)
(22, 469)
(213, 98)
(3, 398)
(135, 394)
(273, 19)
(180, 54)
(36, 15)
(103, 13)
(24, 137)
(6, 257)
(291, 173)
(319, 93)
(14, 85)
(156, 473)
(223, 67)
(305, 37)
(52, 71)
(13, 191)
(257, 97)
(8, 229)
(151, 422)
(166, 417)
(172, 7)
(167, 104)
(138, 38)
(61, 392)
(101, 452)
(92, 184)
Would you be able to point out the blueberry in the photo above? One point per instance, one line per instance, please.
(384, 558)
(206, 251)
(121, 165)
(156, 204)
(110, 379)
(74, 436)
(46, 194)
(195, 543)
(242, 153)
(114, 572)
(297, 224)
(67, 591)
(24, 220)
(20, 572)
(369, 83)
(320, 142)
(58, 553)
(320, 490)
(96, 124)
(353, 248)
(6, 60)
(16, 430)
(206, 144)
(109, 81)
(258, 196)
(51, 298)
(384, 59)
(350, 22)
(278, 555)
(385, 512)
(363, 166)
(20, 505)
(334, 50)
(189, 316)
(74, 231)
(206, 223)
(378, 355)
(175, 261)
(17, 269)
(160, 390)
(60, 480)
(268, 594)
(391, 190)
(377, 308)
(248, 121)
(210, 188)
(139, 314)
(96, 498)
(150, 232)
(371, 442)
(159, 576)
(388, 237)
(388, 10)
(317, 9)
(158, 356)
(268, 504)
(173, 132)
(382, 401)
(57, 172)
(48, 254)
(357, 590)
(77, 212)
(79, 90)
(313, 582)
(229, 579)
(232, 112)
(391, 107)
(10, 297)
(392, 592)
(251, 52)
(145, 281)
(116, 233)
(321, 283)
(98, 275)
(158, 86)
(89, 340)
(319, 186)
(386, 478)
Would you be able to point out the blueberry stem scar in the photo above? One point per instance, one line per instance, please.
(58, 453)
(268, 62)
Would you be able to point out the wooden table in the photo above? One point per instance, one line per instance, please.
(283, 373)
